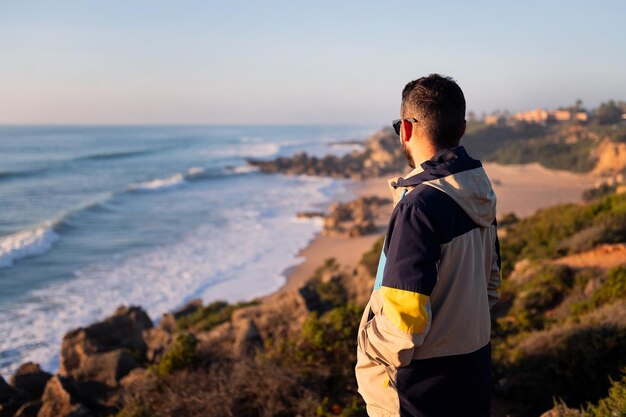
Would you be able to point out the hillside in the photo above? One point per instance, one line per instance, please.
(572, 147)
(559, 334)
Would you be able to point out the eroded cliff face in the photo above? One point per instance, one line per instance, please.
(611, 158)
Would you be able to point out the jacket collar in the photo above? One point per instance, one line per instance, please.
(443, 163)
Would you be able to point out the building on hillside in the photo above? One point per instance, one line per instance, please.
(538, 115)
(495, 120)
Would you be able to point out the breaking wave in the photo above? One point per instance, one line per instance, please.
(26, 243)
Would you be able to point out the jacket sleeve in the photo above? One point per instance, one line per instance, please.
(400, 307)
(493, 284)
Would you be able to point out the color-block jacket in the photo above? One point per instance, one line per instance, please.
(423, 343)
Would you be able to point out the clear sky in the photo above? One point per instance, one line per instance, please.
(192, 61)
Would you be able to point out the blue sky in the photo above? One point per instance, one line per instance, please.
(345, 62)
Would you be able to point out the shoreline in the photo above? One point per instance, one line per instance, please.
(522, 189)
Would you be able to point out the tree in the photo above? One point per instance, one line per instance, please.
(609, 113)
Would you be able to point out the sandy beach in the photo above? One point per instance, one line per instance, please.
(521, 189)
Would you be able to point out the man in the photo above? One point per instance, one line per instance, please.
(424, 340)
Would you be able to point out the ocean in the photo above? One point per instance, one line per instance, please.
(96, 217)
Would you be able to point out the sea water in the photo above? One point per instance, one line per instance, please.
(96, 217)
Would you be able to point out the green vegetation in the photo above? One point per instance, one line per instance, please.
(182, 355)
(609, 112)
(323, 291)
(614, 404)
(551, 153)
(325, 353)
(545, 289)
(508, 220)
(481, 139)
(210, 315)
(613, 288)
(565, 229)
(560, 333)
(598, 192)
(566, 146)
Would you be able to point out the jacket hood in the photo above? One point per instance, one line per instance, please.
(455, 173)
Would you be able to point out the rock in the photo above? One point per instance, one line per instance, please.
(167, 323)
(355, 218)
(60, 399)
(31, 379)
(158, 340)
(137, 377)
(124, 329)
(381, 154)
(611, 157)
(309, 214)
(10, 399)
(107, 368)
(168, 320)
(189, 308)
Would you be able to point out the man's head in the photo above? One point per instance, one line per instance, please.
(433, 116)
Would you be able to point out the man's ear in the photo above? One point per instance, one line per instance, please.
(408, 130)
(462, 130)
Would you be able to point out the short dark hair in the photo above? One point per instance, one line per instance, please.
(438, 103)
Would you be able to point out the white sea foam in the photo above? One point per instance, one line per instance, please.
(26, 243)
(175, 180)
(244, 169)
(195, 170)
(240, 257)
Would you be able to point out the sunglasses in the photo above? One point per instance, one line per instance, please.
(398, 122)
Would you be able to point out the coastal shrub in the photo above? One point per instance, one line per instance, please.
(328, 343)
(370, 258)
(572, 360)
(550, 153)
(255, 387)
(613, 288)
(614, 404)
(324, 290)
(507, 220)
(481, 139)
(331, 337)
(181, 355)
(544, 290)
(574, 366)
(523, 305)
(211, 315)
(598, 192)
(547, 233)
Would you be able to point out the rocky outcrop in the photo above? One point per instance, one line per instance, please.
(107, 368)
(355, 218)
(61, 398)
(310, 214)
(382, 154)
(10, 399)
(30, 379)
(611, 158)
(123, 330)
